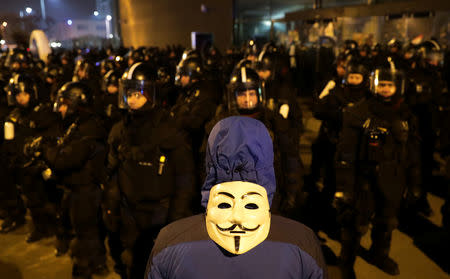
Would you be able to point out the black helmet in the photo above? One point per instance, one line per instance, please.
(394, 43)
(85, 67)
(431, 54)
(245, 63)
(191, 67)
(356, 68)
(52, 72)
(19, 83)
(136, 56)
(267, 61)
(106, 65)
(76, 95)
(164, 75)
(243, 80)
(139, 78)
(390, 74)
(112, 77)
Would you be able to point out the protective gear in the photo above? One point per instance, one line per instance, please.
(266, 62)
(356, 68)
(191, 67)
(391, 75)
(135, 56)
(111, 78)
(52, 72)
(431, 54)
(21, 83)
(245, 94)
(238, 216)
(75, 95)
(106, 65)
(83, 71)
(139, 79)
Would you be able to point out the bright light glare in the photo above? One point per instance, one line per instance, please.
(2, 42)
(111, 36)
(28, 10)
(95, 13)
(5, 23)
(108, 17)
(69, 22)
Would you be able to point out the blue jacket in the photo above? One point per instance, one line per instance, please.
(239, 149)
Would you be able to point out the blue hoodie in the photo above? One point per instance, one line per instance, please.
(239, 148)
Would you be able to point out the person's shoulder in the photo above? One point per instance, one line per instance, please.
(181, 231)
(288, 230)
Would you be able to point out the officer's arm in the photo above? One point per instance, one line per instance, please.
(112, 161)
(71, 156)
(180, 205)
(202, 111)
(347, 149)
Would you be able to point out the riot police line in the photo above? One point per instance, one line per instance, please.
(110, 144)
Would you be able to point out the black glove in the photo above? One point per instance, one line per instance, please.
(33, 148)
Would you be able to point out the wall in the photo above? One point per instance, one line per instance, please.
(163, 22)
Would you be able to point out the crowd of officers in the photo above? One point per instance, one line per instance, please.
(110, 144)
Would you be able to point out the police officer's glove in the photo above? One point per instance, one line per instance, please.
(33, 147)
(343, 202)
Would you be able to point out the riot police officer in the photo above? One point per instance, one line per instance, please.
(376, 160)
(196, 102)
(427, 92)
(151, 168)
(31, 120)
(328, 108)
(107, 105)
(77, 160)
(246, 97)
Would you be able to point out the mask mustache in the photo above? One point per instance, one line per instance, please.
(240, 227)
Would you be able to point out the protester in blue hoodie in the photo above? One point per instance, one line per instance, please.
(237, 236)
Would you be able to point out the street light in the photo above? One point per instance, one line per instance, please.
(95, 13)
(108, 18)
(69, 22)
(28, 10)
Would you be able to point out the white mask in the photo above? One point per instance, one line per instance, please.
(238, 215)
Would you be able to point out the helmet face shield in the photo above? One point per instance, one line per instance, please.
(133, 90)
(386, 83)
(245, 93)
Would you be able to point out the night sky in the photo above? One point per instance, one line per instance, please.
(59, 10)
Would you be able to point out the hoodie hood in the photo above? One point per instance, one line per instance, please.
(239, 149)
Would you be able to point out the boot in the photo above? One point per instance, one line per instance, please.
(81, 270)
(37, 235)
(62, 246)
(12, 223)
(350, 243)
(379, 251)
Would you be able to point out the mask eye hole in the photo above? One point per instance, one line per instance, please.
(251, 206)
(224, 205)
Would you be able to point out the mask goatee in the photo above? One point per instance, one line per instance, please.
(237, 240)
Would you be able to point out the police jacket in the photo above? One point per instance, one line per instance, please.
(378, 138)
(152, 162)
(329, 109)
(29, 123)
(77, 157)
